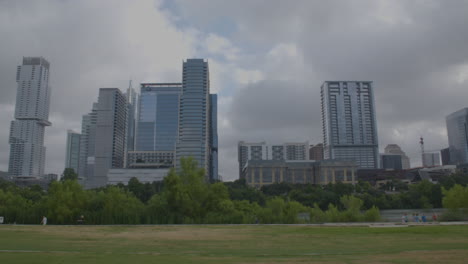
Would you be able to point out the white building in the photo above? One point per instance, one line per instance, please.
(27, 151)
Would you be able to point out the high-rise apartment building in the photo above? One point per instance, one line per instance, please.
(194, 115)
(72, 155)
(457, 131)
(395, 149)
(110, 139)
(158, 123)
(27, 151)
(316, 152)
(349, 122)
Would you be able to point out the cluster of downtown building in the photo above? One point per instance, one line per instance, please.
(124, 135)
(350, 144)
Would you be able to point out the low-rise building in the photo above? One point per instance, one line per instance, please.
(263, 172)
(116, 176)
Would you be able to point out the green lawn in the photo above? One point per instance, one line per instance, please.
(232, 244)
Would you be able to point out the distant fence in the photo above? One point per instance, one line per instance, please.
(394, 215)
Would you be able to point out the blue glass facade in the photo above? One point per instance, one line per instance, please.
(158, 116)
(457, 132)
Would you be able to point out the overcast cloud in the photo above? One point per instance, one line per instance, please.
(267, 62)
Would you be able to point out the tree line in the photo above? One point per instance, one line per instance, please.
(185, 198)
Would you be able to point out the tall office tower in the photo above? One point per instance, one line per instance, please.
(194, 128)
(72, 156)
(132, 99)
(27, 151)
(214, 137)
(349, 123)
(158, 123)
(395, 149)
(316, 152)
(110, 135)
(250, 151)
(431, 159)
(88, 139)
(457, 131)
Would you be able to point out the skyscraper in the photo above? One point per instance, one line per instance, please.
(27, 151)
(110, 135)
(457, 131)
(194, 116)
(132, 99)
(158, 123)
(214, 137)
(72, 156)
(395, 149)
(88, 138)
(349, 123)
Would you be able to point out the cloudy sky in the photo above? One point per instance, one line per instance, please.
(267, 61)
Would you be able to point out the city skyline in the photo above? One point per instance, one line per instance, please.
(267, 78)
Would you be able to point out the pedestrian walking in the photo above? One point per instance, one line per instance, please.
(44, 220)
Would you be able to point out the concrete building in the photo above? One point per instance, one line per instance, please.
(150, 159)
(194, 115)
(316, 152)
(395, 149)
(431, 159)
(27, 151)
(349, 122)
(457, 133)
(262, 151)
(72, 155)
(87, 143)
(251, 151)
(391, 161)
(116, 176)
(263, 172)
(110, 135)
(158, 124)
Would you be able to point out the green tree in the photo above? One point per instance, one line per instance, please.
(69, 174)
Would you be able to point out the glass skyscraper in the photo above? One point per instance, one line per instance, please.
(349, 123)
(194, 128)
(72, 156)
(457, 131)
(27, 151)
(158, 118)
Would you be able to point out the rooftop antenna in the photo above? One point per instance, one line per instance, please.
(421, 142)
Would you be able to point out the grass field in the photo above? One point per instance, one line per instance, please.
(232, 244)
